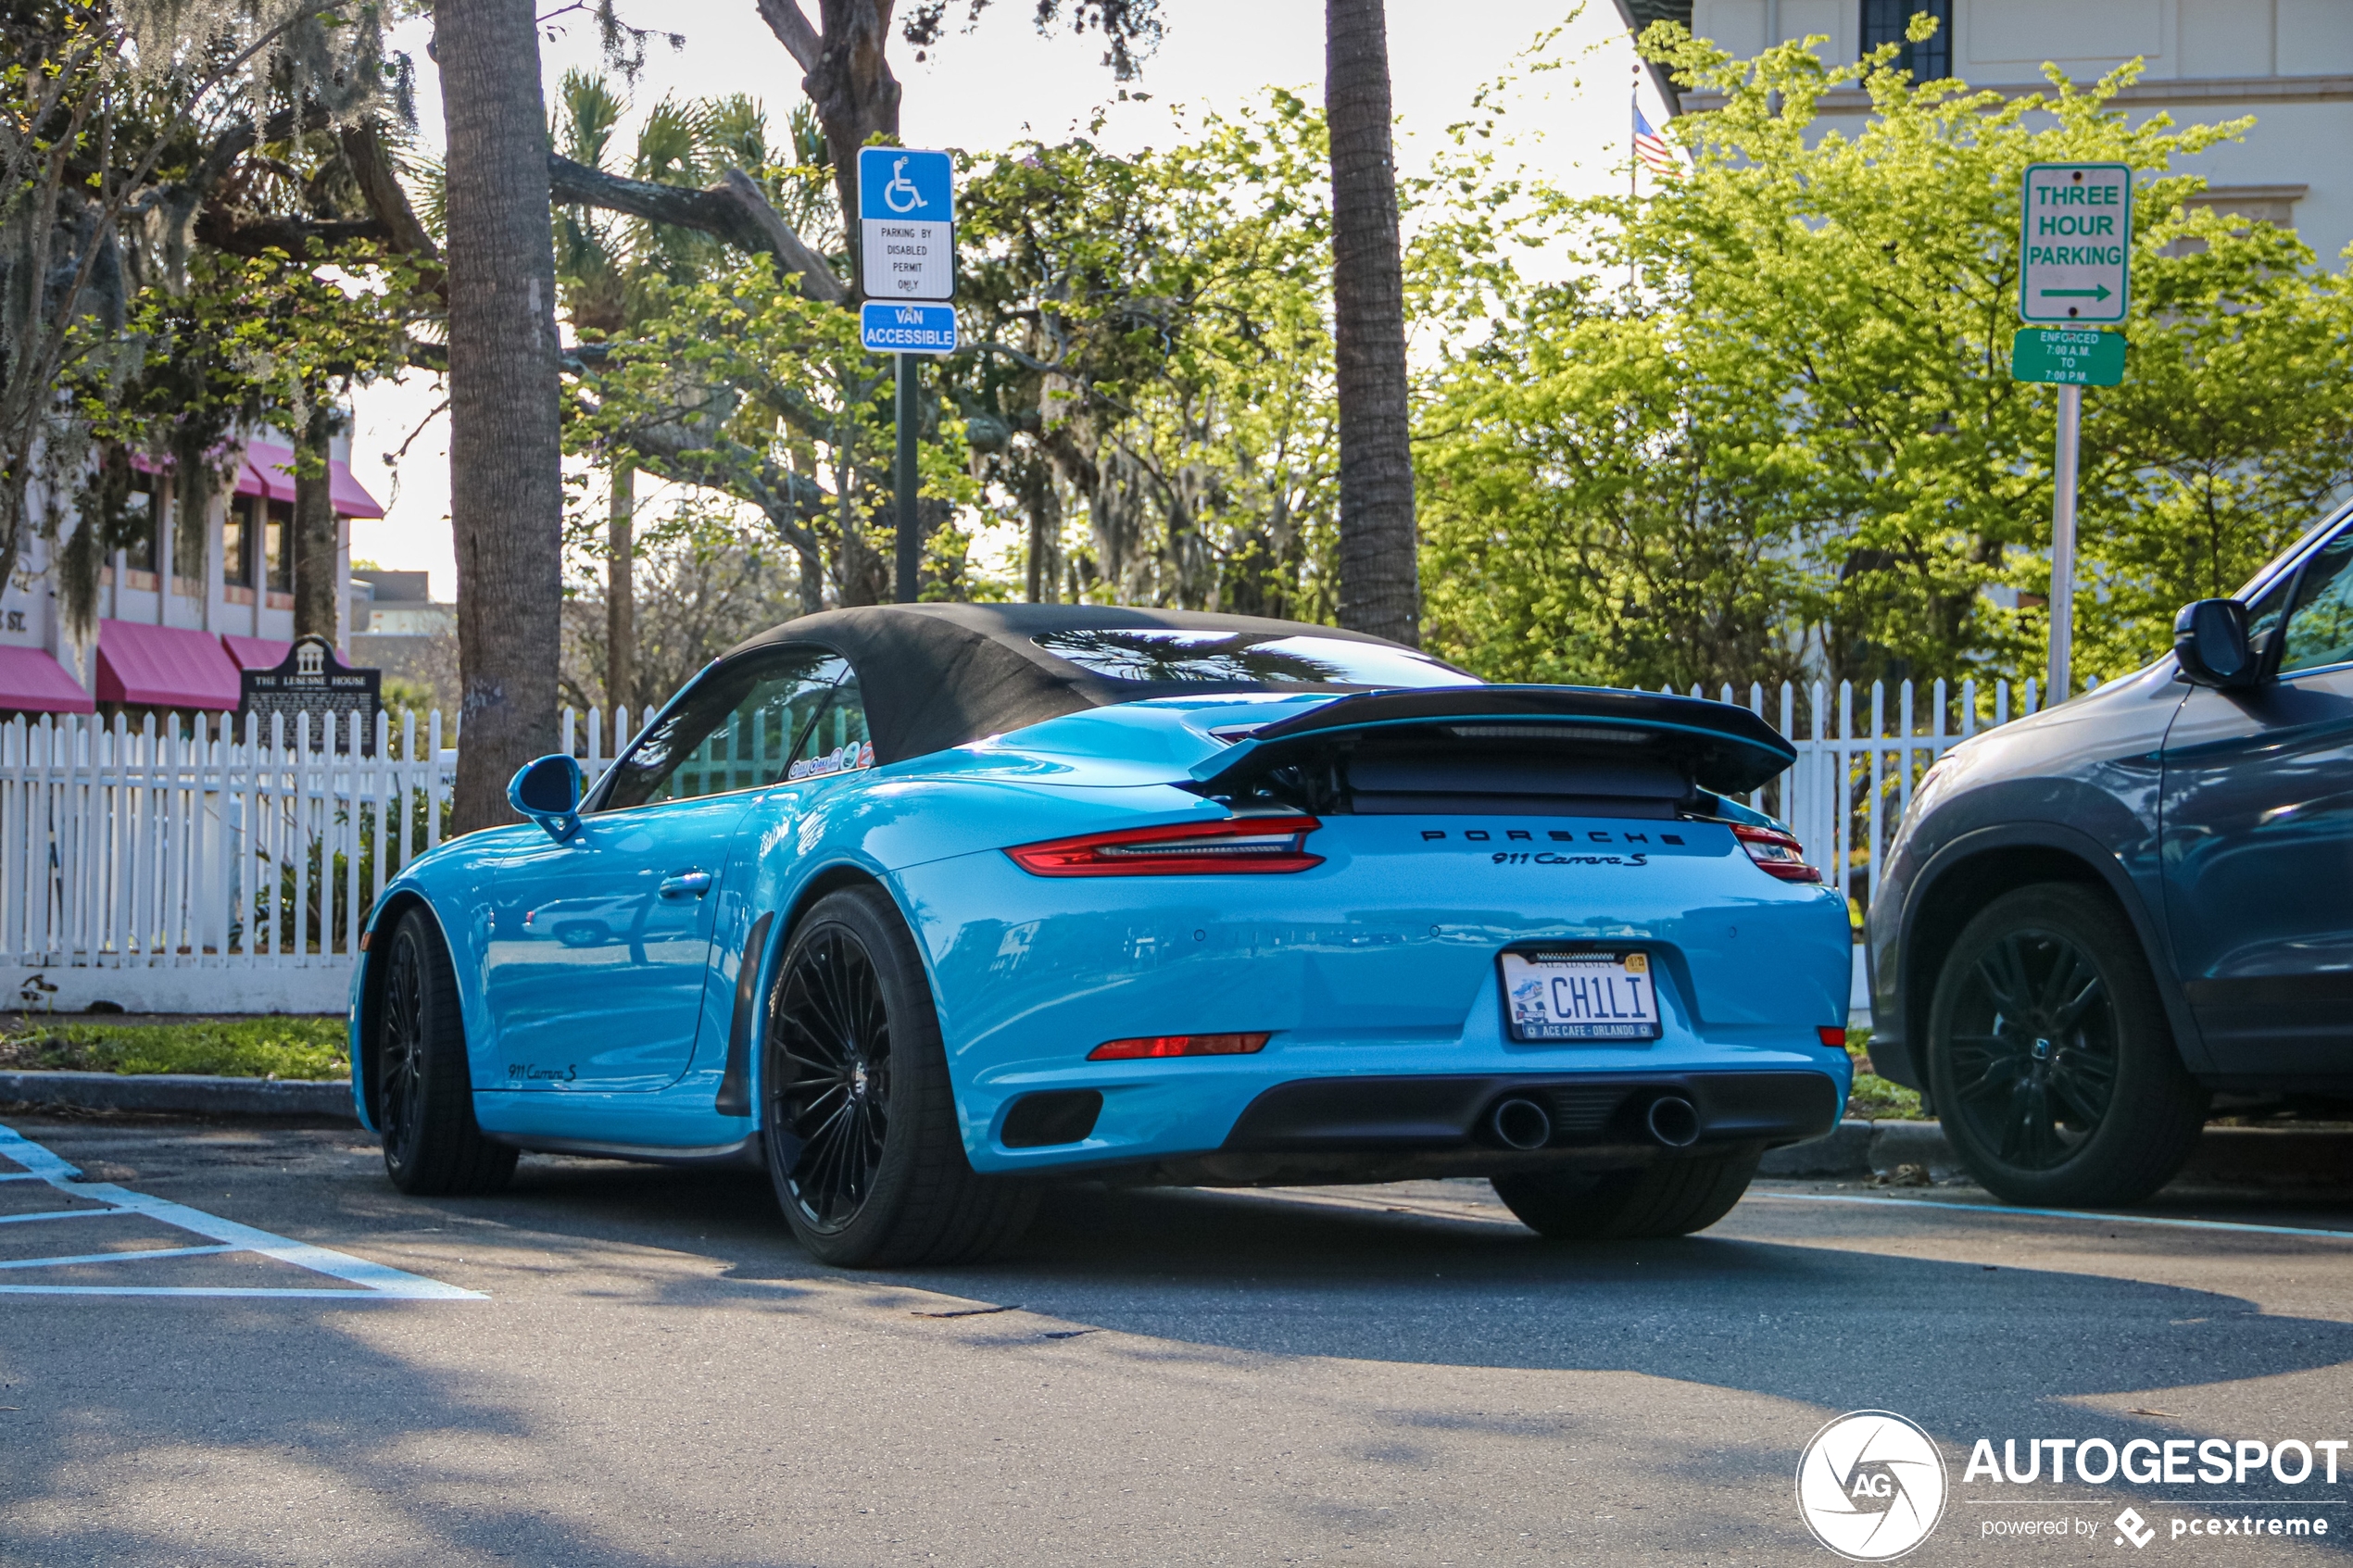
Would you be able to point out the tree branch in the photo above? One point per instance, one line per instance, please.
(734, 212)
(792, 30)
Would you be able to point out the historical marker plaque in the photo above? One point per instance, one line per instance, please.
(312, 680)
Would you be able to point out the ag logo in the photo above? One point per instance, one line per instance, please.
(1871, 1486)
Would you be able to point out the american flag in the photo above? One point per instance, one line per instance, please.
(1652, 149)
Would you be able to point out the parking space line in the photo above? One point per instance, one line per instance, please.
(2056, 1215)
(59, 1214)
(376, 1282)
(113, 1257)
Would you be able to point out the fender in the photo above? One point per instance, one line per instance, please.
(2086, 849)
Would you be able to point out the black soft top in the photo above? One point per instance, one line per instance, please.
(939, 675)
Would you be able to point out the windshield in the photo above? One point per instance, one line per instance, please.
(1165, 656)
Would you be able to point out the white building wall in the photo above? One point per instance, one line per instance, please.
(2288, 63)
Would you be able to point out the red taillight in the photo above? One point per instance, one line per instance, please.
(1833, 1035)
(1775, 851)
(1236, 844)
(1178, 1045)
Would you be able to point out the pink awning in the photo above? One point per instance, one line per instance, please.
(256, 653)
(32, 682)
(151, 666)
(351, 496)
(269, 472)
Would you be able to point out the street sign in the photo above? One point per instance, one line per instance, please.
(887, 327)
(2089, 358)
(2075, 243)
(907, 218)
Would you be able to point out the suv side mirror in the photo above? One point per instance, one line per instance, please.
(2211, 643)
(548, 791)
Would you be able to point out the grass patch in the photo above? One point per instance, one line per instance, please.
(1873, 1098)
(245, 1047)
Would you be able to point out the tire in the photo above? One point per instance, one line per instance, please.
(857, 1117)
(1671, 1197)
(2049, 1056)
(424, 1094)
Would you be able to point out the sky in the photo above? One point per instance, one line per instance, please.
(1001, 83)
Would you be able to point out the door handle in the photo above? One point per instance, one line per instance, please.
(679, 884)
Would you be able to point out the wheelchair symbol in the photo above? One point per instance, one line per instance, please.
(900, 194)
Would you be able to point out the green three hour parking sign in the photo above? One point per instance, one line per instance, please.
(2075, 244)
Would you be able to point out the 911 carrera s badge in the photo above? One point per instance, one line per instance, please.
(841, 760)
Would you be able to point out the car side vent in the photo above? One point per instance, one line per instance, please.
(1054, 1116)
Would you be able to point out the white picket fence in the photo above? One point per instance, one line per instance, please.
(198, 866)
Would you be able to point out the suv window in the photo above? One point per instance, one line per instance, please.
(737, 728)
(2319, 629)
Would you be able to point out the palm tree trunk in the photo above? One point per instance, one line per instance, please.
(1379, 590)
(621, 586)
(314, 527)
(505, 492)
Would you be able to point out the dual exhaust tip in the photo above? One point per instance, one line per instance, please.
(1524, 1124)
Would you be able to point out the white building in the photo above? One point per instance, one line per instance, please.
(2287, 62)
(164, 638)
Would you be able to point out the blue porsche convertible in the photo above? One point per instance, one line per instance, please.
(922, 906)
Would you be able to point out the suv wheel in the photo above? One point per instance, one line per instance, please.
(2050, 1058)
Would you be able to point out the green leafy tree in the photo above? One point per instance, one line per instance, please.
(1797, 437)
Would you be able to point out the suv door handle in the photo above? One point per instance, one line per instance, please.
(679, 884)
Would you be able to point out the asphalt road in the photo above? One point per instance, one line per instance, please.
(649, 1372)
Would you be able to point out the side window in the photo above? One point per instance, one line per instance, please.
(2319, 629)
(735, 729)
(838, 741)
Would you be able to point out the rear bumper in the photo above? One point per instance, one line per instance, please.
(1313, 1131)
(1335, 1115)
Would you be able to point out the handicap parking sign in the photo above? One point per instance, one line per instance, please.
(907, 215)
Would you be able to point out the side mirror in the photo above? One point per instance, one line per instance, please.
(548, 792)
(2211, 643)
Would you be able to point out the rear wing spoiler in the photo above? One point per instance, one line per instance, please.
(1721, 748)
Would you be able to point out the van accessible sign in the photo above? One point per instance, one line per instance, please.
(2075, 249)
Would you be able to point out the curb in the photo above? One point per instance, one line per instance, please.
(1862, 1148)
(2319, 1158)
(180, 1093)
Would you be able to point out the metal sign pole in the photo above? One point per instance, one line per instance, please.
(2070, 425)
(910, 536)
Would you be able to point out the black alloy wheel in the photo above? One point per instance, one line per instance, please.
(2033, 1047)
(400, 1045)
(424, 1101)
(858, 1115)
(2049, 1056)
(832, 1031)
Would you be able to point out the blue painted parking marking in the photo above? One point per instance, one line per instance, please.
(363, 1281)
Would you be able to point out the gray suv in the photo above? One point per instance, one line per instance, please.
(2094, 922)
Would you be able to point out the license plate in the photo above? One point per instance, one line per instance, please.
(1601, 995)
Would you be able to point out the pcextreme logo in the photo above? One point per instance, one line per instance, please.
(1870, 1486)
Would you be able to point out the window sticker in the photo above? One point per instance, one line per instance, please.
(841, 760)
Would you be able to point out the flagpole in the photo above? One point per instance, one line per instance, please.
(1633, 169)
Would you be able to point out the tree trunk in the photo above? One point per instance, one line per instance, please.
(506, 491)
(855, 95)
(621, 587)
(1379, 588)
(315, 584)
